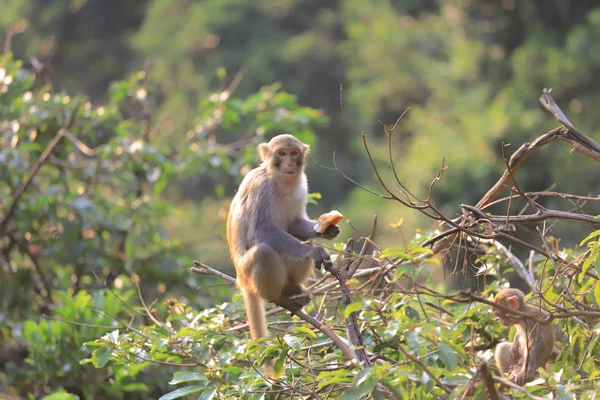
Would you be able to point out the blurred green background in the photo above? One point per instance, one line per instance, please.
(471, 72)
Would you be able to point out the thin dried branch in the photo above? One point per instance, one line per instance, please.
(358, 260)
(517, 387)
(352, 330)
(568, 133)
(437, 381)
(517, 188)
(514, 162)
(34, 260)
(488, 381)
(518, 266)
(542, 215)
(201, 268)
(35, 169)
(581, 143)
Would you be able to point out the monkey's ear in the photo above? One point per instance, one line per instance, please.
(263, 150)
(306, 149)
(513, 302)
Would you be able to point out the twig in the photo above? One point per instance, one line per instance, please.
(490, 389)
(414, 359)
(356, 264)
(517, 387)
(352, 329)
(34, 170)
(45, 281)
(205, 269)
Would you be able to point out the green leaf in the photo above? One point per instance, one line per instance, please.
(114, 336)
(293, 342)
(280, 364)
(185, 376)
(403, 269)
(361, 389)
(184, 391)
(135, 387)
(396, 252)
(589, 237)
(60, 396)
(357, 305)
(597, 293)
(303, 331)
(447, 356)
(412, 313)
(586, 265)
(208, 394)
(101, 356)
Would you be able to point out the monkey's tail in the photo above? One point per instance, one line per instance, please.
(257, 321)
(256, 315)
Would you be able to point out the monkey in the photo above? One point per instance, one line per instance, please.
(533, 342)
(266, 227)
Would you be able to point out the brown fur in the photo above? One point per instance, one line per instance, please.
(266, 226)
(533, 342)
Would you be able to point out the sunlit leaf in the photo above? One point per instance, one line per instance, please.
(183, 392)
(101, 356)
(185, 376)
(448, 356)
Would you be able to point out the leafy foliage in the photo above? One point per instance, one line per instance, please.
(141, 180)
(76, 230)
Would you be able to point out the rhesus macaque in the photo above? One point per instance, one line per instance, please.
(533, 342)
(266, 226)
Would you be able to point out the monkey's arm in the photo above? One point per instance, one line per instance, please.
(283, 242)
(537, 356)
(303, 229)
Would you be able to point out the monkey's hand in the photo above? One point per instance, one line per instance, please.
(330, 232)
(321, 257)
(521, 377)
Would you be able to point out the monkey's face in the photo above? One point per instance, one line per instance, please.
(506, 318)
(284, 155)
(288, 161)
(512, 299)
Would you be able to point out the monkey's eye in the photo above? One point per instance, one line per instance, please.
(281, 153)
(294, 153)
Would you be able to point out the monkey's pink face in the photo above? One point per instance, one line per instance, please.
(505, 318)
(288, 160)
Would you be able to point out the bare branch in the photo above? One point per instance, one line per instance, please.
(205, 269)
(35, 169)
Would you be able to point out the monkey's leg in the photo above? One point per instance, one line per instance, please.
(504, 357)
(261, 271)
(297, 272)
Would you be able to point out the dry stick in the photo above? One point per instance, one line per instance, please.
(546, 193)
(518, 266)
(568, 133)
(8, 41)
(515, 161)
(201, 268)
(545, 214)
(517, 188)
(38, 267)
(488, 381)
(581, 143)
(352, 329)
(356, 264)
(438, 383)
(34, 170)
(517, 387)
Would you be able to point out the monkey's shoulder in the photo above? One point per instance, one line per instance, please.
(256, 182)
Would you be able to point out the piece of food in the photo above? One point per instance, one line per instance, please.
(331, 218)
